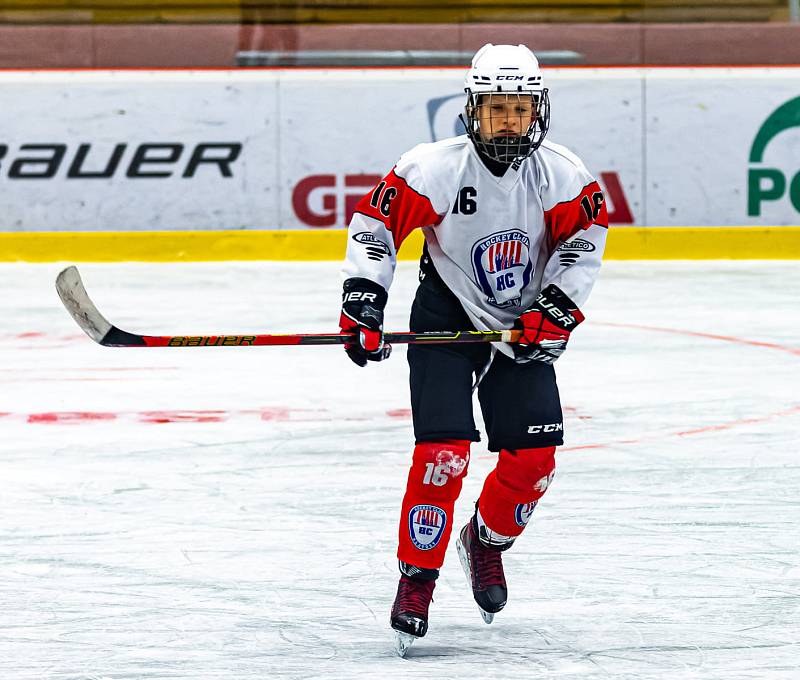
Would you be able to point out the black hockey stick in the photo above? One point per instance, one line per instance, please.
(80, 306)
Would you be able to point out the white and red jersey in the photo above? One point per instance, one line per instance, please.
(495, 241)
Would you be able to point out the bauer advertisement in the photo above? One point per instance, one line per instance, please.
(297, 148)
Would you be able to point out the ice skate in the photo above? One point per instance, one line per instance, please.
(483, 567)
(409, 617)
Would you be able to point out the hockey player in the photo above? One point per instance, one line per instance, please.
(514, 229)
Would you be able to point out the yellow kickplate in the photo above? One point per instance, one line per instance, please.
(624, 243)
(703, 243)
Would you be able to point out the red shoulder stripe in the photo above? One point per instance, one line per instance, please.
(566, 219)
(399, 206)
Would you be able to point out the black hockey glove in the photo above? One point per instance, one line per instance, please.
(546, 326)
(363, 302)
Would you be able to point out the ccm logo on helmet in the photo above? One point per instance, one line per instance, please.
(509, 78)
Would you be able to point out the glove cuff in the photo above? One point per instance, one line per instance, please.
(559, 307)
(363, 291)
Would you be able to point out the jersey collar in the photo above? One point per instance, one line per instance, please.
(508, 180)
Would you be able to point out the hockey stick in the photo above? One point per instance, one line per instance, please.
(80, 306)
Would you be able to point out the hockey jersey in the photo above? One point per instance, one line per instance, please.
(494, 241)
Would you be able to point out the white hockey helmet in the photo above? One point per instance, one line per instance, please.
(503, 71)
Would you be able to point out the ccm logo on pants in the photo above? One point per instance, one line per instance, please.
(551, 427)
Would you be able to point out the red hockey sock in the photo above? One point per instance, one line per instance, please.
(434, 482)
(512, 489)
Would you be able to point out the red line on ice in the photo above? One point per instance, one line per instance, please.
(708, 336)
(687, 433)
(707, 428)
(791, 411)
(84, 369)
(161, 417)
(742, 421)
(72, 417)
(274, 413)
(399, 413)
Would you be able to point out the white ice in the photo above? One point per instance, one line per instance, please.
(261, 544)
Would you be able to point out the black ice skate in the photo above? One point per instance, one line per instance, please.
(483, 566)
(410, 609)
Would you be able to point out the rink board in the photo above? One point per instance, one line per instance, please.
(296, 148)
(677, 243)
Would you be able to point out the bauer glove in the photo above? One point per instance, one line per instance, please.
(363, 302)
(546, 327)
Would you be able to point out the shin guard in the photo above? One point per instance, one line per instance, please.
(511, 491)
(434, 482)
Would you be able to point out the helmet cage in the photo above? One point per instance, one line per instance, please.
(508, 149)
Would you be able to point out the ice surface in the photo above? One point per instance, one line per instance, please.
(232, 512)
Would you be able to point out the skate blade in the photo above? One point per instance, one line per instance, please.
(462, 557)
(488, 617)
(403, 642)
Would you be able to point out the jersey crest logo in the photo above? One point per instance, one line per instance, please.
(426, 525)
(502, 266)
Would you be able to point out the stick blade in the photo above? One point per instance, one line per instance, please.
(81, 308)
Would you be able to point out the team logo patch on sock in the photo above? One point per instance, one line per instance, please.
(426, 525)
(523, 513)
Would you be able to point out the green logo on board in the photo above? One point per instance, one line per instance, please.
(770, 184)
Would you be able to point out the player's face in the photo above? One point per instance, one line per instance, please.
(505, 115)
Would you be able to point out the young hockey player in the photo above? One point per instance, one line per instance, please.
(514, 228)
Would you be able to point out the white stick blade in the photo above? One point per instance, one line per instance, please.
(75, 298)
